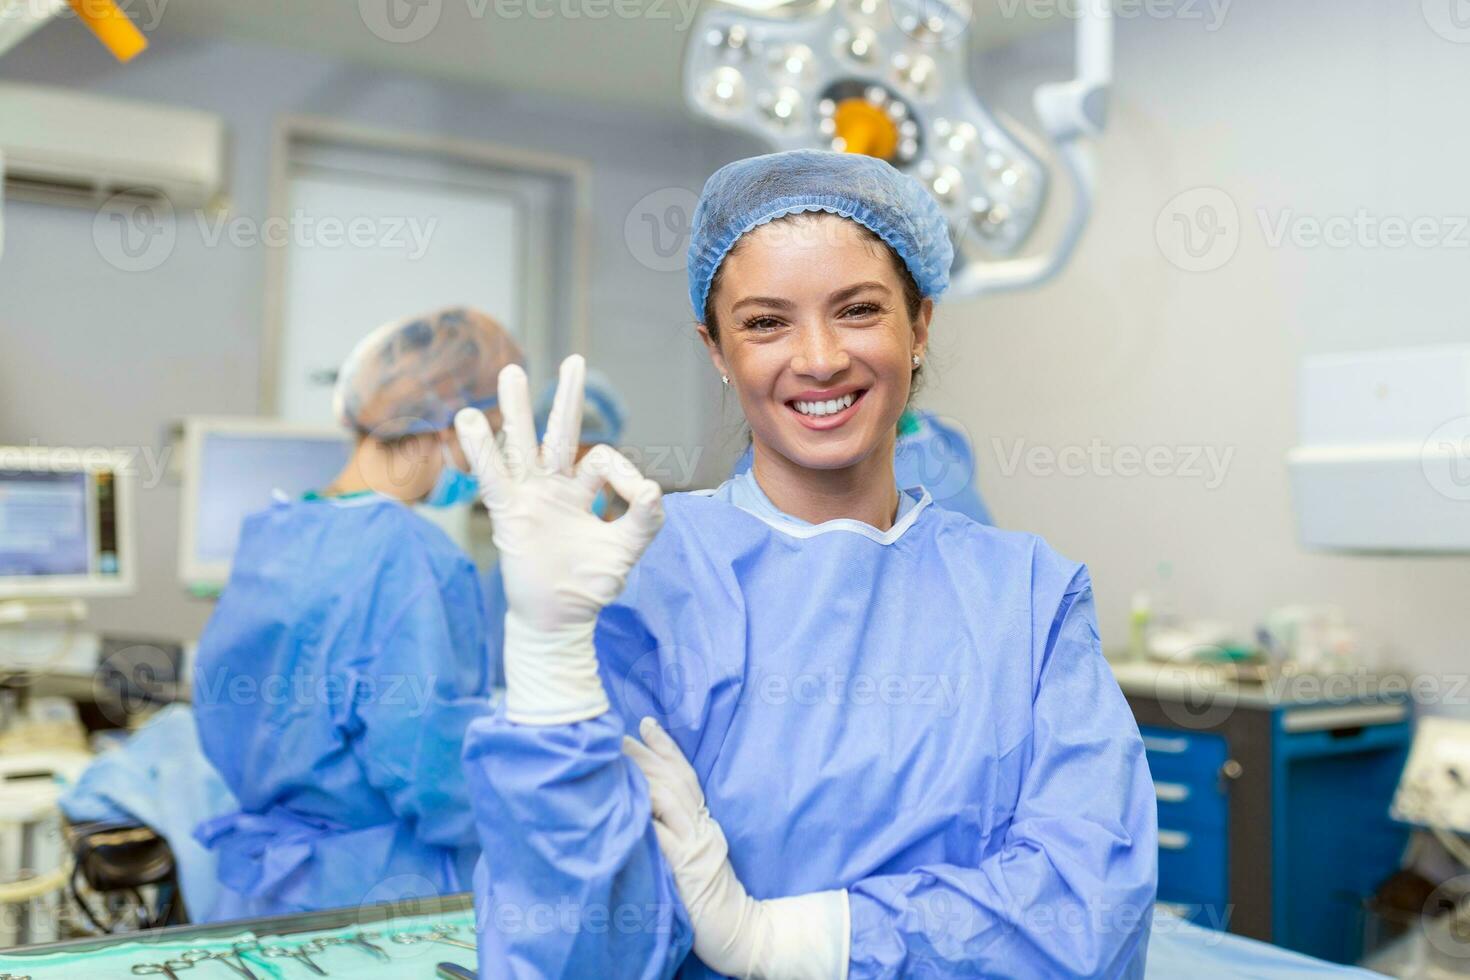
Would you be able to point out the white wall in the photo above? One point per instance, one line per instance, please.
(1317, 107)
(90, 355)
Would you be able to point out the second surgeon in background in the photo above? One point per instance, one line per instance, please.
(350, 649)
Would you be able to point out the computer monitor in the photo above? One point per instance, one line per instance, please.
(66, 523)
(234, 467)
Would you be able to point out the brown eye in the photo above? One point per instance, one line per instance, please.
(762, 324)
(860, 310)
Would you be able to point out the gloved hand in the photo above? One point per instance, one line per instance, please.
(805, 937)
(561, 562)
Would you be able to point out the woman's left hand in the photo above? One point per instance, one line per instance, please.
(802, 938)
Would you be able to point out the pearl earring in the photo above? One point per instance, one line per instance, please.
(916, 360)
(725, 378)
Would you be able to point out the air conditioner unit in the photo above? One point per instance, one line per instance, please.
(69, 147)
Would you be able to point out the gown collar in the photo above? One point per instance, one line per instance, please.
(745, 493)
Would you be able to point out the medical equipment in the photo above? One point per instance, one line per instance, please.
(234, 467)
(236, 949)
(1434, 791)
(1383, 460)
(34, 864)
(888, 78)
(18, 18)
(438, 934)
(66, 526)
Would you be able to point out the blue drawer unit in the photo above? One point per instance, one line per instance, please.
(1273, 805)
(1193, 849)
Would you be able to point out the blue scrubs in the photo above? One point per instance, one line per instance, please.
(922, 716)
(932, 454)
(332, 691)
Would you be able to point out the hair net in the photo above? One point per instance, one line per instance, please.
(747, 193)
(412, 375)
(603, 412)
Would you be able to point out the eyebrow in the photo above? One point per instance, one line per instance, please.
(776, 302)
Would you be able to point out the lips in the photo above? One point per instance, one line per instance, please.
(821, 411)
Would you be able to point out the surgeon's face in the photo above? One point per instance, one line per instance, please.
(816, 339)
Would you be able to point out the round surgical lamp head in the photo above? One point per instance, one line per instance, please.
(890, 79)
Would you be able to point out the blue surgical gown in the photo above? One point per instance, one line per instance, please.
(922, 716)
(332, 691)
(933, 454)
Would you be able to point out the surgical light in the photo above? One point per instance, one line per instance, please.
(889, 78)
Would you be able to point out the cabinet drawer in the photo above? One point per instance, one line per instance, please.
(1192, 866)
(1191, 806)
(1189, 758)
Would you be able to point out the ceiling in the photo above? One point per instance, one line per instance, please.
(580, 49)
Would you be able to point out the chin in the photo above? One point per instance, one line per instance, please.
(835, 455)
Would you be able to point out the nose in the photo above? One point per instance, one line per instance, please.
(820, 354)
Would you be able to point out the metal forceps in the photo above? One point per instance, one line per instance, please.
(438, 934)
(231, 959)
(362, 940)
(166, 968)
(302, 953)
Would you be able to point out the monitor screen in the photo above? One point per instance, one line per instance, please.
(238, 474)
(59, 530)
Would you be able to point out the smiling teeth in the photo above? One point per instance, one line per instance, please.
(830, 407)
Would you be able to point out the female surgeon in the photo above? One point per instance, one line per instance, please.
(349, 650)
(905, 753)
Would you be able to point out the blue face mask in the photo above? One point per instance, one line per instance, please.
(454, 487)
(599, 504)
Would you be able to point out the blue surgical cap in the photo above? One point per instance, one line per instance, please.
(748, 193)
(603, 413)
(413, 375)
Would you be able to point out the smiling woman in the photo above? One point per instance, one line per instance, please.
(822, 373)
(798, 807)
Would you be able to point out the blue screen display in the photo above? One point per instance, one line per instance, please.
(44, 527)
(238, 474)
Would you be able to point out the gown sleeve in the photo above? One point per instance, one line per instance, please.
(571, 882)
(1070, 890)
(410, 701)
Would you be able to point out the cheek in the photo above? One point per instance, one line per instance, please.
(886, 354)
(754, 368)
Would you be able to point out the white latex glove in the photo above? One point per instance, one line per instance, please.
(805, 937)
(561, 562)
